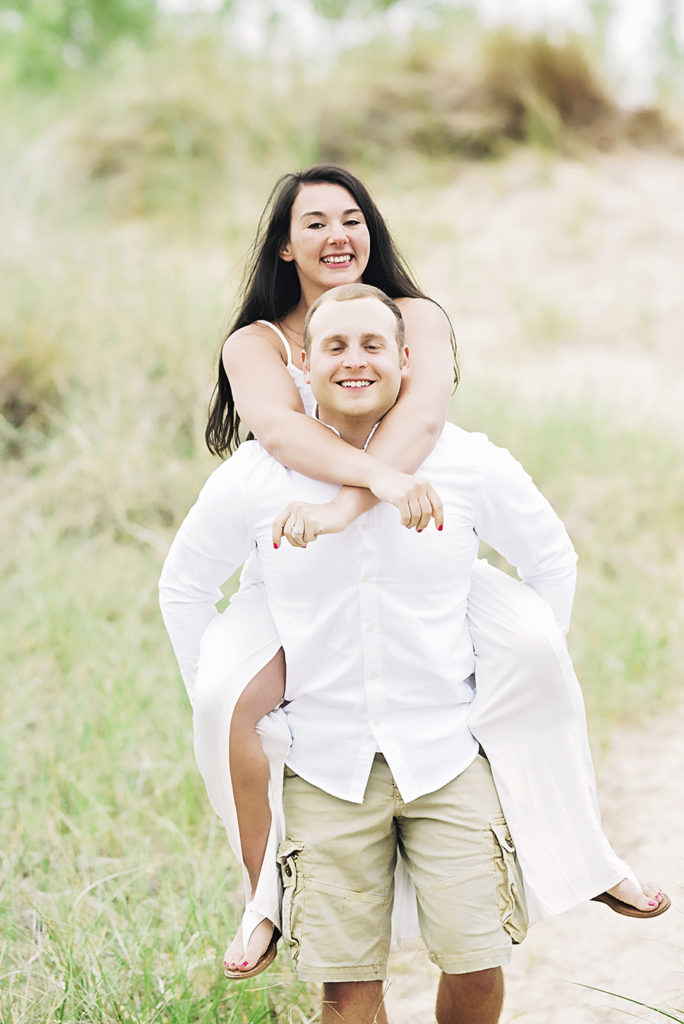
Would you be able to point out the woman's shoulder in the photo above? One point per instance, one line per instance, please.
(424, 310)
(260, 335)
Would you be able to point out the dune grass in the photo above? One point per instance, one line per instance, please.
(126, 216)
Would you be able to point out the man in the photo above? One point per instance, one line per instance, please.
(379, 682)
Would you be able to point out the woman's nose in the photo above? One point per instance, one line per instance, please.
(337, 234)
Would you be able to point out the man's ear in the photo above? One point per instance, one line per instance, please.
(305, 364)
(404, 363)
(285, 251)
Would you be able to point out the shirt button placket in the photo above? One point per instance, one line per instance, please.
(369, 606)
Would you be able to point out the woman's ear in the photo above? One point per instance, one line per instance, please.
(285, 252)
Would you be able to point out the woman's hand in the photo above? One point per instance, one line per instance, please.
(300, 522)
(416, 499)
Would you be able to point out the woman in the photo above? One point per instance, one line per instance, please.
(320, 229)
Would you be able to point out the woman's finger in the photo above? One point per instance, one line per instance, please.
(425, 512)
(437, 507)
(278, 530)
(294, 531)
(415, 512)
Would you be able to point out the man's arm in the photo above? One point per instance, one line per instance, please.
(517, 520)
(213, 540)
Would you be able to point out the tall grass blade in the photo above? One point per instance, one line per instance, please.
(629, 999)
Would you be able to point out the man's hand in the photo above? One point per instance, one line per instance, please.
(300, 522)
(416, 499)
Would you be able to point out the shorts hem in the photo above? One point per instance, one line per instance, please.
(470, 962)
(365, 972)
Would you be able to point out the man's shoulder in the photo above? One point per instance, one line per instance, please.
(248, 464)
(247, 458)
(454, 441)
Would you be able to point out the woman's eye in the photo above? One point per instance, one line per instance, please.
(315, 224)
(353, 222)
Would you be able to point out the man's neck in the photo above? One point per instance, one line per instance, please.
(355, 430)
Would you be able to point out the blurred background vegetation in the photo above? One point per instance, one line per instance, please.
(139, 144)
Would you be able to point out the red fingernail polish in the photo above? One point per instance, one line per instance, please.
(440, 527)
(419, 531)
(244, 963)
(651, 903)
(275, 546)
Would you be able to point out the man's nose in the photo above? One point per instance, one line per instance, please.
(355, 356)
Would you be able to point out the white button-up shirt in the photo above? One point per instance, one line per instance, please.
(372, 620)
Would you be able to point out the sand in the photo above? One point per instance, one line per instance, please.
(640, 779)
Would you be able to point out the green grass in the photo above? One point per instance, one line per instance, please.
(117, 890)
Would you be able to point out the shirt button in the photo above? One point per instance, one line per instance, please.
(370, 627)
(373, 675)
(364, 579)
(376, 723)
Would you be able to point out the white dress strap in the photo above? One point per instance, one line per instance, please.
(288, 351)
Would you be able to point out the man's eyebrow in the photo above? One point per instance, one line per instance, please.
(320, 213)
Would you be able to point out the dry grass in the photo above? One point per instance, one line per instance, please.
(170, 131)
(476, 96)
(561, 277)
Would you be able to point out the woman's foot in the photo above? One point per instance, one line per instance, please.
(241, 960)
(643, 900)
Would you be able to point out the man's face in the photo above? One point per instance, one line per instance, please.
(355, 366)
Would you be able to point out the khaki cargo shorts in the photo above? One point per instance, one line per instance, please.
(337, 865)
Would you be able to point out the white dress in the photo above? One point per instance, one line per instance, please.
(528, 715)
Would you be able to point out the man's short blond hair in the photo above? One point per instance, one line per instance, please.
(346, 293)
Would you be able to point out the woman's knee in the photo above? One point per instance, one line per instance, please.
(537, 644)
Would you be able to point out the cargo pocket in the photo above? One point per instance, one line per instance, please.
(288, 853)
(509, 886)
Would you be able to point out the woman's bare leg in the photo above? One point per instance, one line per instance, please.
(250, 772)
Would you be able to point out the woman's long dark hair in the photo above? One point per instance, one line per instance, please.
(271, 286)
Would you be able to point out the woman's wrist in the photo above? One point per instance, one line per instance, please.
(352, 502)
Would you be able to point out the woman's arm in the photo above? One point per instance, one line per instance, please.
(269, 405)
(409, 431)
(273, 412)
(405, 437)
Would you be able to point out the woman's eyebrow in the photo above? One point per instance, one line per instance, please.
(320, 213)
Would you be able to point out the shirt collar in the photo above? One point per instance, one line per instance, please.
(336, 431)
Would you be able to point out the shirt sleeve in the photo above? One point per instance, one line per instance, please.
(213, 540)
(518, 522)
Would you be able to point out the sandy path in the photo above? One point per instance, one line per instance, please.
(640, 780)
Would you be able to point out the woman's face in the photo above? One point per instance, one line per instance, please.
(329, 242)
